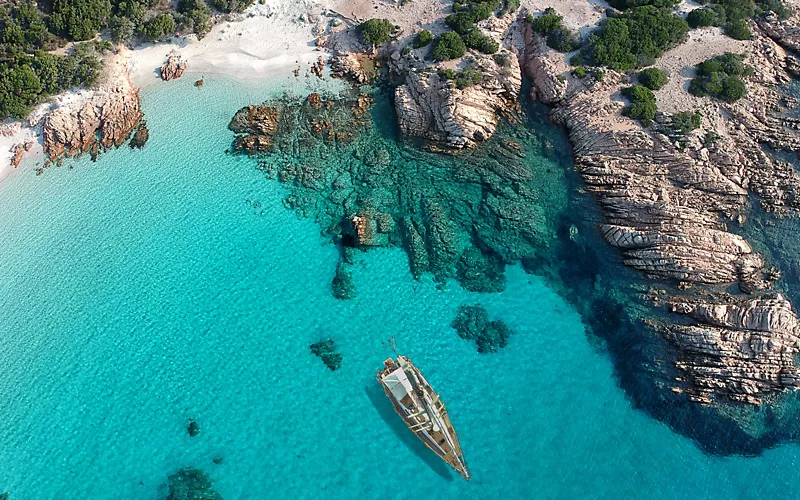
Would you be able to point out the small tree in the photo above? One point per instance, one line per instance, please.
(699, 18)
(449, 46)
(643, 104)
(653, 78)
(738, 30)
(376, 31)
(423, 39)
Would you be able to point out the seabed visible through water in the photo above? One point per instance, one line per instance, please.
(143, 290)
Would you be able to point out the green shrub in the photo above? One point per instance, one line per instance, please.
(653, 78)
(547, 22)
(423, 39)
(159, 27)
(376, 31)
(80, 19)
(509, 6)
(564, 39)
(468, 77)
(635, 38)
(461, 22)
(477, 40)
(777, 6)
(630, 4)
(738, 30)
(686, 121)
(503, 59)
(598, 75)
(196, 16)
(577, 60)
(643, 104)
(580, 72)
(699, 18)
(449, 46)
(232, 6)
(447, 74)
(720, 77)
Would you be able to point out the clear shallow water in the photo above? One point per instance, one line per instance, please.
(142, 290)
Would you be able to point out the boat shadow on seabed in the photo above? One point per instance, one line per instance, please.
(385, 410)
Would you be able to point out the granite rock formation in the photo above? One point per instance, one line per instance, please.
(173, 68)
(462, 220)
(669, 201)
(101, 122)
(431, 107)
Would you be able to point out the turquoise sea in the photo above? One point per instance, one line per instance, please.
(143, 290)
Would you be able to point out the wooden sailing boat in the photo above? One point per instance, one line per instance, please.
(421, 409)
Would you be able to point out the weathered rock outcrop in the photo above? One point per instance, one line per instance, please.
(667, 203)
(173, 68)
(547, 87)
(102, 121)
(358, 68)
(431, 107)
(743, 348)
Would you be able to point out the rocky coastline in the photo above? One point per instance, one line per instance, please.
(672, 201)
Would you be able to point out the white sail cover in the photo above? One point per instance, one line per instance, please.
(398, 383)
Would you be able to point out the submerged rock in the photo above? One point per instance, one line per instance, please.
(326, 351)
(463, 218)
(342, 285)
(191, 484)
(193, 428)
(472, 323)
(140, 136)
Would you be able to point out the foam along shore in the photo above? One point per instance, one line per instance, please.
(268, 42)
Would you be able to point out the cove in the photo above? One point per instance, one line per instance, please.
(142, 290)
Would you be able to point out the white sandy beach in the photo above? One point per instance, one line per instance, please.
(270, 41)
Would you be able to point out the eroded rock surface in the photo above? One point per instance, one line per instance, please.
(433, 108)
(173, 68)
(102, 121)
(670, 200)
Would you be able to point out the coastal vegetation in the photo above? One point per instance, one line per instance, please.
(721, 77)
(634, 38)
(551, 26)
(686, 121)
(653, 78)
(376, 31)
(31, 32)
(449, 46)
(424, 38)
(643, 104)
(467, 77)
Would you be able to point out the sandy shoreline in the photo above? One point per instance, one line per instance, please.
(269, 42)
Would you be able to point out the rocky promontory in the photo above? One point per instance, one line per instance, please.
(670, 199)
(101, 121)
(431, 106)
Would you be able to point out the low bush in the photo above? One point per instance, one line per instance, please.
(721, 78)
(653, 78)
(478, 41)
(449, 46)
(423, 39)
(738, 30)
(376, 31)
(635, 38)
(686, 121)
(643, 104)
